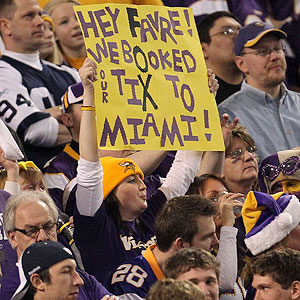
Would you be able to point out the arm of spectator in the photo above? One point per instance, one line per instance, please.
(12, 170)
(89, 195)
(182, 173)
(148, 160)
(227, 256)
(32, 124)
(55, 112)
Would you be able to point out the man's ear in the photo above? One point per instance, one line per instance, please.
(241, 64)
(12, 239)
(5, 27)
(180, 244)
(205, 50)
(67, 119)
(295, 290)
(37, 282)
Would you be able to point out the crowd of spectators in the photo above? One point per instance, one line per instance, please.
(77, 222)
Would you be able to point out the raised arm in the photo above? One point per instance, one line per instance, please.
(89, 195)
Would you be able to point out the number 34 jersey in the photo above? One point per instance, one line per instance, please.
(135, 276)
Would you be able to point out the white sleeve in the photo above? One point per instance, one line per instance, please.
(22, 113)
(12, 187)
(227, 256)
(89, 194)
(181, 174)
(42, 133)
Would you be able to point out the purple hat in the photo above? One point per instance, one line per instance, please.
(268, 219)
(283, 165)
(74, 94)
(251, 34)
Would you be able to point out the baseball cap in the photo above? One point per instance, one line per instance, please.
(251, 34)
(74, 94)
(36, 258)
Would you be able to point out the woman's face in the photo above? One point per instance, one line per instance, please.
(30, 186)
(48, 45)
(213, 190)
(243, 168)
(132, 197)
(67, 30)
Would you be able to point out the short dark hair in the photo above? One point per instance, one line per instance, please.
(282, 265)
(171, 289)
(190, 258)
(199, 182)
(208, 22)
(7, 8)
(45, 277)
(178, 218)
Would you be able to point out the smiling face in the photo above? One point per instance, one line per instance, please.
(64, 282)
(263, 72)
(67, 30)
(205, 279)
(268, 289)
(242, 170)
(24, 33)
(132, 197)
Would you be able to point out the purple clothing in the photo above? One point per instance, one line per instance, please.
(91, 290)
(59, 172)
(104, 245)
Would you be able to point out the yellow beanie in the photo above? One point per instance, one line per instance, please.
(116, 170)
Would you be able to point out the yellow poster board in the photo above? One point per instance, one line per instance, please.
(152, 89)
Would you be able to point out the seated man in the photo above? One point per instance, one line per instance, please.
(31, 89)
(50, 272)
(264, 103)
(171, 289)
(276, 275)
(198, 266)
(280, 172)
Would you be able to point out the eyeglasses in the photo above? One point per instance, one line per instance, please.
(229, 31)
(217, 198)
(289, 166)
(237, 153)
(33, 231)
(266, 52)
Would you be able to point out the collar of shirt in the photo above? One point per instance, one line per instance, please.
(32, 60)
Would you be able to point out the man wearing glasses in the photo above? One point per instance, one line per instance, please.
(217, 32)
(31, 217)
(264, 105)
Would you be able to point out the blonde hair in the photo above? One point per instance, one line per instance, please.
(50, 7)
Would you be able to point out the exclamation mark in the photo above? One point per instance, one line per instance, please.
(206, 125)
(187, 17)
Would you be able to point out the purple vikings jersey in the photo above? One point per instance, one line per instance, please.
(104, 245)
(136, 275)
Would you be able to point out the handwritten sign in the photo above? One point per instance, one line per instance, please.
(152, 92)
